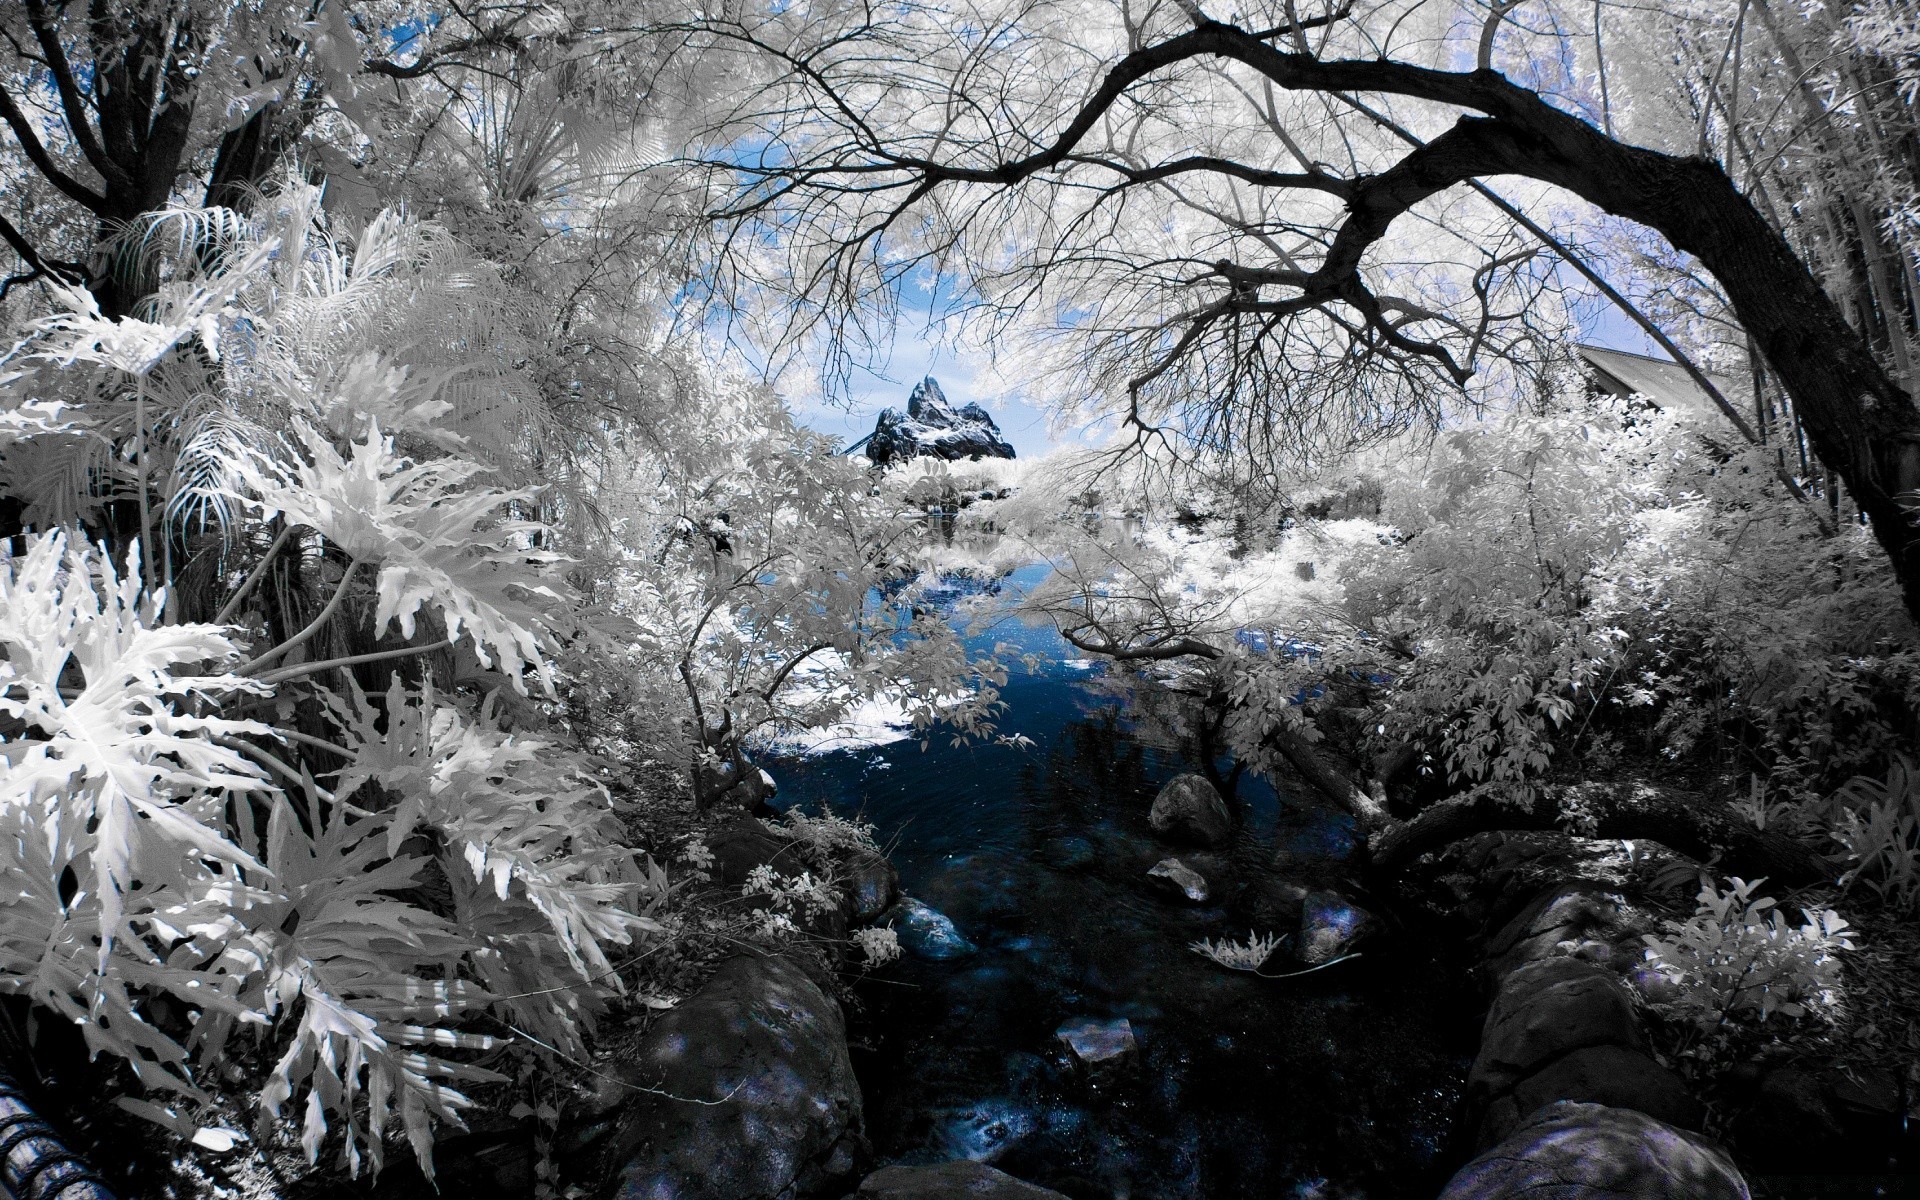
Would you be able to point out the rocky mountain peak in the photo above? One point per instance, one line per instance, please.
(932, 428)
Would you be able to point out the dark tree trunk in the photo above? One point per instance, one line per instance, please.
(1861, 423)
(1684, 821)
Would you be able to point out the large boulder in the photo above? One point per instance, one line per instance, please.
(1545, 1010)
(1189, 809)
(1565, 1029)
(1572, 1151)
(962, 1180)
(933, 428)
(748, 1093)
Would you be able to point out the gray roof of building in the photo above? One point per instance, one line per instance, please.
(1665, 383)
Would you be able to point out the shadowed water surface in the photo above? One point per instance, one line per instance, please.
(1339, 1084)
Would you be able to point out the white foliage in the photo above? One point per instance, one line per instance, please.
(878, 946)
(1737, 956)
(438, 537)
(518, 813)
(153, 844)
(118, 758)
(327, 947)
(1248, 955)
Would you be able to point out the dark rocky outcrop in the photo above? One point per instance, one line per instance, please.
(748, 1094)
(866, 882)
(933, 428)
(1559, 922)
(871, 884)
(961, 1180)
(1547, 1009)
(1572, 1151)
(1563, 1026)
(744, 843)
(1189, 809)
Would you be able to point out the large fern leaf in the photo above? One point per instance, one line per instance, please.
(367, 980)
(441, 539)
(521, 814)
(99, 682)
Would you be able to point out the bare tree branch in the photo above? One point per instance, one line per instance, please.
(43, 162)
(73, 101)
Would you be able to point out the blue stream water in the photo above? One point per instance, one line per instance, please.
(1339, 1084)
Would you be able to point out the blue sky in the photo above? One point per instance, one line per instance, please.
(918, 352)
(916, 355)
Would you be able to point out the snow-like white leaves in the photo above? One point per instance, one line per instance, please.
(520, 814)
(115, 757)
(79, 332)
(441, 540)
(336, 949)
(153, 845)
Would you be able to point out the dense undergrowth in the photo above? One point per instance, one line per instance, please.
(362, 704)
(1589, 590)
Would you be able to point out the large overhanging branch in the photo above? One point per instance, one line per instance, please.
(1859, 420)
(72, 98)
(43, 161)
(1163, 648)
(38, 266)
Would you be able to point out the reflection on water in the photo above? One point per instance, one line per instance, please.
(1341, 1084)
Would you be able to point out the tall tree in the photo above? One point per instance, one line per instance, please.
(1258, 230)
(113, 112)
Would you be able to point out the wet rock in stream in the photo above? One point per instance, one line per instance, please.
(949, 1181)
(984, 1131)
(1189, 809)
(1331, 926)
(927, 932)
(1177, 879)
(1104, 1050)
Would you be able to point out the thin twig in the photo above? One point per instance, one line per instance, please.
(1310, 970)
(636, 1087)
